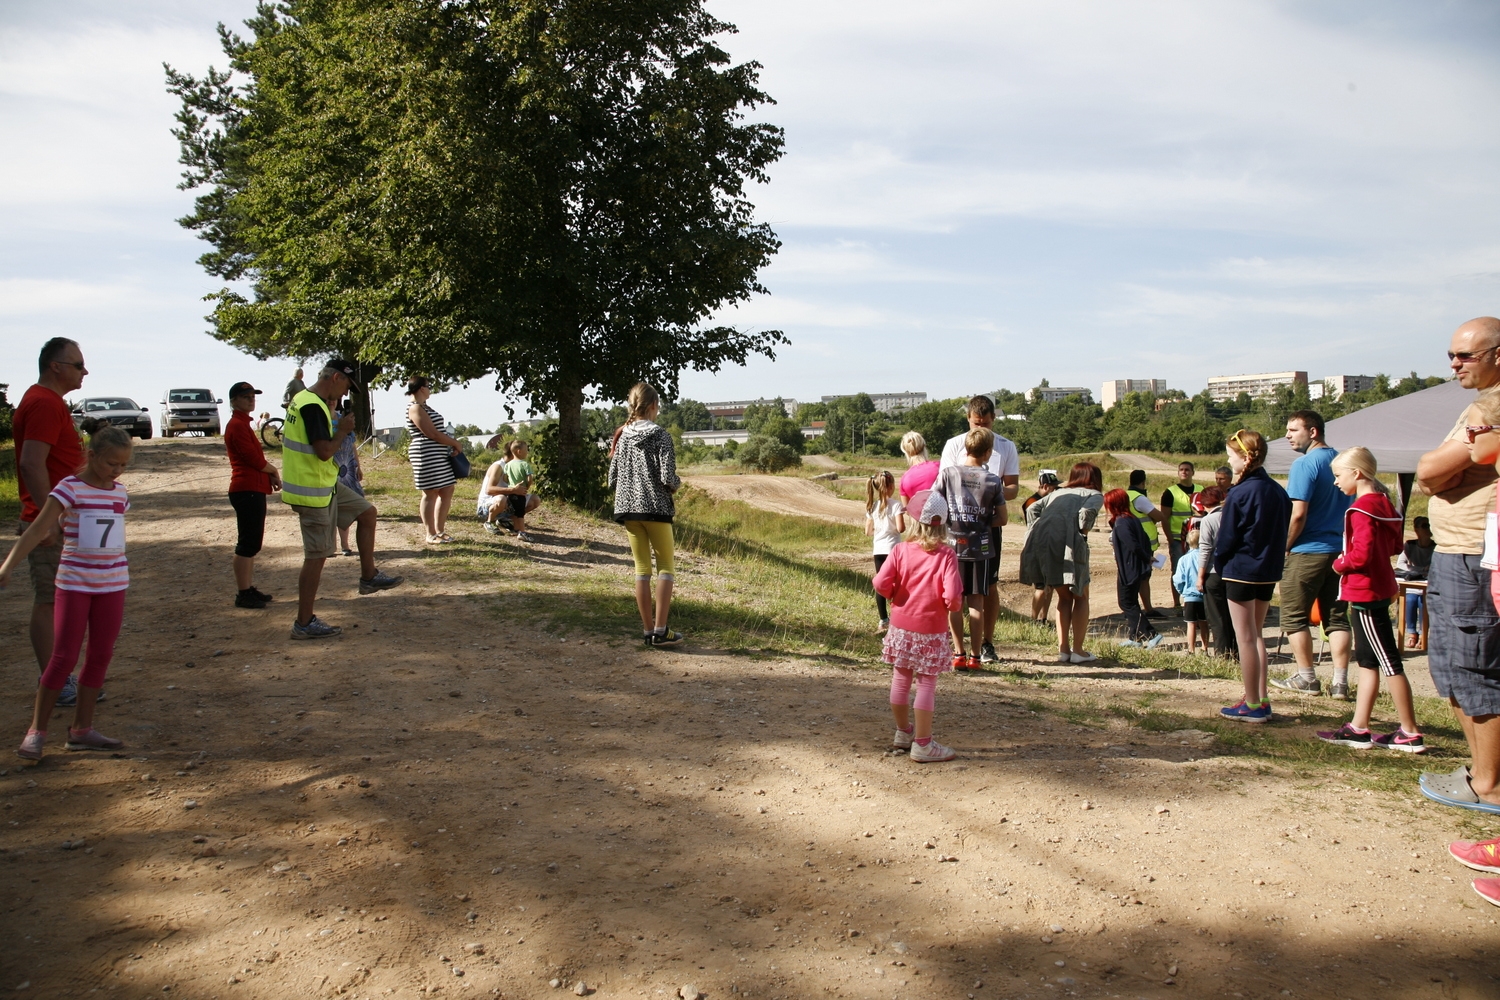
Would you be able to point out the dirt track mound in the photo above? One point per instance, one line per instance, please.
(783, 495)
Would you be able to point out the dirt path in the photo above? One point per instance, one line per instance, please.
(1146, 462)
(784, 494)
(452, 800)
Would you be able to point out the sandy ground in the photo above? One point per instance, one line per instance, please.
(783, 494)
(449, 801)
(1149, 463)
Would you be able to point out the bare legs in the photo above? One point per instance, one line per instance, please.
(1072, 619)
(1483, 735)
(1249, 618)
(434, 510)
(976, 615)
(244, 572)
(307, 588)
(1041, 603)
(650, 622)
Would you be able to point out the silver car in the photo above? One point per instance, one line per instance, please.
(117, 410)
(184, 410)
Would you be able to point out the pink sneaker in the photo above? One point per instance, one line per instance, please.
(1482, 856)
(1488, 889)
(31, 746)
(91, 739)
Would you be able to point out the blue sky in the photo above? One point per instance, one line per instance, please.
(974, 194)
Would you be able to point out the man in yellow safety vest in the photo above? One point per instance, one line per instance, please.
(309, 484)
(1177, 504)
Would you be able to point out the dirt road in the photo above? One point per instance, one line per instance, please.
(783, 494)
(451, 799)
(1147, 462)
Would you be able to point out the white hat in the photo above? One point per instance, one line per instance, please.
(932, 505)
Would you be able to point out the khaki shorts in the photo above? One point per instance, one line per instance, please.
(1309, 577)
(320, 537)
(43, 562)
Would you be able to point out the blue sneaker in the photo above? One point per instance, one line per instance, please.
(1243, 713)
(68, 696)
(315, 629)
(1154, 641)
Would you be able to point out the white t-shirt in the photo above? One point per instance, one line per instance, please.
(887, 532)
(1004, 459)
(1143, 504)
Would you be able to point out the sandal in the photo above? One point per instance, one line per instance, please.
(1454, 790)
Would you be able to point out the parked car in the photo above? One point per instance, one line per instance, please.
(117, 410)
(184, 410)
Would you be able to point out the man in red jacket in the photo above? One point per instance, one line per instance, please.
(47, 450)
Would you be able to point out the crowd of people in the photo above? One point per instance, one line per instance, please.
(1327, 540)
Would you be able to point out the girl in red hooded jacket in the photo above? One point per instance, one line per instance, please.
(1372, 538)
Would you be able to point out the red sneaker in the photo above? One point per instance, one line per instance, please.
(960, 661)
(1488, 889)
(975, 664)
(1482, 856)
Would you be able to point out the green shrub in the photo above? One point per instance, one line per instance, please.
(585, 482)
(767, 454)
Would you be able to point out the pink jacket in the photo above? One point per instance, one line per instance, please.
(922, 586)
(1372, 538)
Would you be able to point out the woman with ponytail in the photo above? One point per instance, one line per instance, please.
(643, 474)
(1249, 555)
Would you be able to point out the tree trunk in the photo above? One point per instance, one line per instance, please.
(569, 425)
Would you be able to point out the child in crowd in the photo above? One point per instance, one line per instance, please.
(493, 502)
(519, 477)
(1372, 537)
(884, 523)
(1133, 555)
(350, 474)
(975, 501)
(92, 577)
(1047, 484)
(1185, 582)
(1413, 564)
(643, 474)
(921, 579)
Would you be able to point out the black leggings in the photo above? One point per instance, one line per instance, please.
(250, 516)
(1129, 596)
(879, 600)
(1216, 607)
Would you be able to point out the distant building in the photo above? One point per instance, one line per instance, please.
(1058, 393)
(715, 438)
(1117, 389)
(889, 402)
(1223, 388)
(735, 409)
(1337, 385)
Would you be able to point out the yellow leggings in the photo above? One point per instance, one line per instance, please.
(647, 537)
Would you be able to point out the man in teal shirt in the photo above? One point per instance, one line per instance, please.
(1314, 539)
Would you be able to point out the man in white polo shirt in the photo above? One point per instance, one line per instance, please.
(1005, 462)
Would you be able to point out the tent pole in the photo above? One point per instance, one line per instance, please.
(1406, 479)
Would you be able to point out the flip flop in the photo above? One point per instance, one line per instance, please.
(1430, 776)
(1454, 790)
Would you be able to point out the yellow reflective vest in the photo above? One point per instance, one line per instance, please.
(1145, 519)
(306, 479)
(1182, 508)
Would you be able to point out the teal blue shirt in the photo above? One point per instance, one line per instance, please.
(1311, 481)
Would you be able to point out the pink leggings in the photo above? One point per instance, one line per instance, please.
(102, 615)
(901, 687)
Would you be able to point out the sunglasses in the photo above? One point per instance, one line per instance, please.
(1464, 357)
(1474, 430)
(75, 364)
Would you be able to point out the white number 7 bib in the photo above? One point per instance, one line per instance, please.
(101, 532)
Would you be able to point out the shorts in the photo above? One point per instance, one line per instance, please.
(648, 538)
(250, 518)
(977, 575)
(1463, 634)
(1309, 577)
(320, 537)
(1174, 552)
(518, 504)
(1192, 611)
(43, 562)
(1243, 593)
(1375, 646)
(995, 562)
(487, 501)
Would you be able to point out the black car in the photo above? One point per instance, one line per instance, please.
(117, 410)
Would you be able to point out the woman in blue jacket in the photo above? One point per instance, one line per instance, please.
(1249, 555)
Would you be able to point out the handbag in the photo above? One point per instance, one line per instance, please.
(460, 464)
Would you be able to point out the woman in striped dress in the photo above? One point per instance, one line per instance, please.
(428, 453)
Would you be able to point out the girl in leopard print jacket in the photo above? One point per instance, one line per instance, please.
(643, 472)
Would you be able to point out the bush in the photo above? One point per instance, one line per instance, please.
(767, 455)
(586, 483)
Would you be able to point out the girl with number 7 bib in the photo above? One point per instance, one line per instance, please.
(91, 580)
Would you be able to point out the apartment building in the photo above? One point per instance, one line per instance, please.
(889, 402)
(1222, 388)
(1057, 393)
(1117, 389)
(1336, 385)
(734, 409)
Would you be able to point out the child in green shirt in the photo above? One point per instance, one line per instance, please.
(519, 477)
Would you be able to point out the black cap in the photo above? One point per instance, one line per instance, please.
(346, 369)
(1048, 478)
(242, 389)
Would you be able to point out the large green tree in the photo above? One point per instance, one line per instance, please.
(550, 193)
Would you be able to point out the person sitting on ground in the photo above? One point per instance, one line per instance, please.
(1185, 583)
(1414, 563)
(1133, 554)
(975, 500)
(1056, 554)
(1372, 535)
(921, 580)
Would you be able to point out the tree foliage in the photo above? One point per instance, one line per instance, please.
(548, 193)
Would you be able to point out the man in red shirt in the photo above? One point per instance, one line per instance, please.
(251, 479)
(47, 450)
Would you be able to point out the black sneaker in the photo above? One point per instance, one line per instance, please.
(248, 599)
(1347, 736)
(666, 637)
(987, 653)
(1154, 613)
(264, 597)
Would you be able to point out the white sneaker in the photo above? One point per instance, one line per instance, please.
(902, 740)
(1082, 658)
(932, 753)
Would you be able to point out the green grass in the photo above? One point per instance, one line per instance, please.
(10, 496)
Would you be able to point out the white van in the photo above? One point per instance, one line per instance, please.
(184, 410)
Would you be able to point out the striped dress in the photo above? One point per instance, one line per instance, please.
(430, 468)
(93, 524)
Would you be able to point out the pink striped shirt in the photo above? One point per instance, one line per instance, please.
(93, 523)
